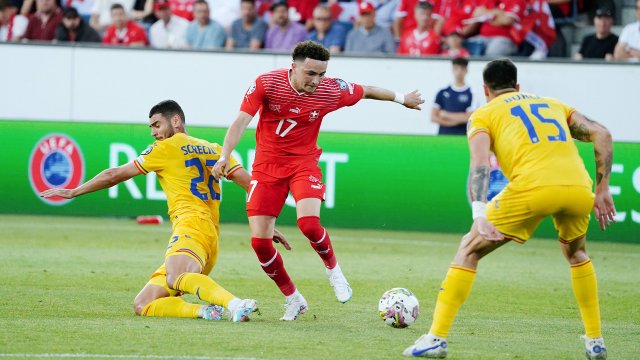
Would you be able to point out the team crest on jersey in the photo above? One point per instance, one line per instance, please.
(147, 151)
(314, 115)
(55, 162)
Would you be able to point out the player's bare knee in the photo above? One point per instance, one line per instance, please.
(138, 305)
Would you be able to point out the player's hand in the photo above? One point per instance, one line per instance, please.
(220, 166)
(64, 193)
(487, 230)
(278, 237)
(413, 100)
(604, 208)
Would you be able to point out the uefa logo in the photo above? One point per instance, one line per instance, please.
(55, 162)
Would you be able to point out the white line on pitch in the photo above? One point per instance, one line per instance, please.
(116, 356)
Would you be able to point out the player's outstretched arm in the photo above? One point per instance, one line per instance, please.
(585, 129)
(106, 179)
(231, 140)
(412, 100)
(479, 181)
(242, 178)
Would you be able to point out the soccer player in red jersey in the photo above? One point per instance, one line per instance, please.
(292, 103)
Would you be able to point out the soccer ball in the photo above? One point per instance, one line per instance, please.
(398, 307)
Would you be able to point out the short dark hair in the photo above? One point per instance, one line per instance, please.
(278, 3)
(500, 74)
(117, 6)
(310, 49)
(5, 4)
(460, 61)
(424, 5)
(167, 108)
(201, 2)
(252, 2)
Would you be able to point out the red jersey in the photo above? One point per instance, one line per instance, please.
(406, 10)
(134, 33)
(513, 8)
(462, 52)
(290, 121)
(419, 43)
(455, 12)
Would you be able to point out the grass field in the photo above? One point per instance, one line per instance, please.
(68, 284)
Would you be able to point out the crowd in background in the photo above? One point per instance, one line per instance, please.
(454, 28)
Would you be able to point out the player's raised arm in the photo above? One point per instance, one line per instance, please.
(106, 179)
(585, 129)
(231, 140)
(412, 100)
(479, 182)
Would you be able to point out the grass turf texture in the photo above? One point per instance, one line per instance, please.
(68, 284)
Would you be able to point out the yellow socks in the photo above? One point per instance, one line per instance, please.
(204, 288)
(585, 288)
(171, 307)
(453, 292)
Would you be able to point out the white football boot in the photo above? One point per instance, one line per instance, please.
(242, 311)
(595, 348)
(429, 346)
(339, 283)
(294, 307)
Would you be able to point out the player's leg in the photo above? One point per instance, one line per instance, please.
(157, 299)
(308, 191)
(189, 260)
(572, 226)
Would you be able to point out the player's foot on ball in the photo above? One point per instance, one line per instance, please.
(242, 311)
(339, 283)
(294, 307)
(595, 348)
(211, 312)
(429, 346)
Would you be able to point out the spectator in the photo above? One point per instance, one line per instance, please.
(404, 18)
(184, 8)
(169, 32)
(122, 31)
(628, 47)
(101, 12)
(456, 14)
(83, 7)
(302, 11)
(497, 20)
(12, 25)
(204, 33)
(224, 11)
(74, 29)
(248, 31)
(43, 24)
(283, 34)
(455, 103)
(423, 40)
(369, 37)
(142, 12)
(536, 30)
(326, 32)
(454, 46)
(602, 44)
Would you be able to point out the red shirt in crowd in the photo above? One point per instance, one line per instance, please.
(131, 34)
(454, 12)
(513, 8)
(406, 9)
(290, 121)
(462, 52)
(43, 27)
(419, 43)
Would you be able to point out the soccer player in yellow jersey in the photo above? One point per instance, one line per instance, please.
(532, 139)
(183, 165)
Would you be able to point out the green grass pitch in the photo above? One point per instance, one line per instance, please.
(68, 284)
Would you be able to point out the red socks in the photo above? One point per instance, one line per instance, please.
(272, 264)
(319, 239)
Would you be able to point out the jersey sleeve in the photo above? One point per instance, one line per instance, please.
(151, 159)
(350, 93)
(253, 98)
(438, 103)
(234, 164)
(515, 9)
(478, 123)
(568, 111)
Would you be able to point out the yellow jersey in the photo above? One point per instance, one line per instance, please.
(183, 165)
(531, 139)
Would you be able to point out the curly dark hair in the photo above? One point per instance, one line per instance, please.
(311, 50)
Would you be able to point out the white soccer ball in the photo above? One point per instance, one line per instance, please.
(398, 307)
